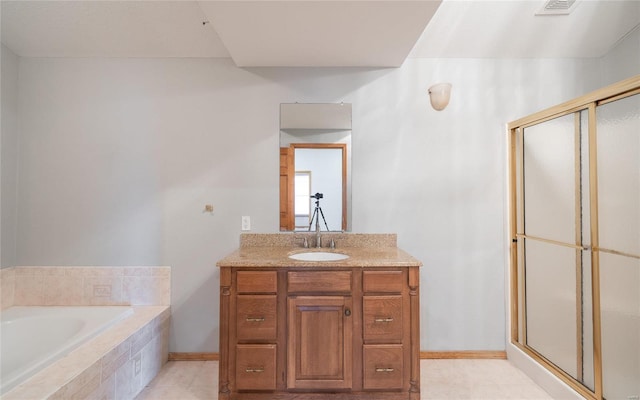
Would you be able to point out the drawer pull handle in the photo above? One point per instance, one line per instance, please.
(259, 319)
(384, 369)
(258, 369)
(389, 319)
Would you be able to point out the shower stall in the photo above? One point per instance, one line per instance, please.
(574, 173)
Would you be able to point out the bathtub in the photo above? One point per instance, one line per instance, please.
(31, 338)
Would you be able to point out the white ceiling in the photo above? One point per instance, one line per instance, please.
(108, 29)
(510, 29)
(372, 33)
(319, 33)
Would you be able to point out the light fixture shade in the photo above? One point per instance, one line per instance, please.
(439, 95)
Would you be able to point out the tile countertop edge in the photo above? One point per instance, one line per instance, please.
(277, 256)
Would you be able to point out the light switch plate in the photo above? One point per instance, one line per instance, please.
(246, 223)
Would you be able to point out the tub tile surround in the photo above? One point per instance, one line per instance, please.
(7, 286)
(85, 286)
(116, 364)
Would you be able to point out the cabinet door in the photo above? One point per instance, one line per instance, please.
(319, 342)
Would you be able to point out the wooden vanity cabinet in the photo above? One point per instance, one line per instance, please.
(301, 333)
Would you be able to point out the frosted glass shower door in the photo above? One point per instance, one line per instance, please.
(619, 247)
(556, 306)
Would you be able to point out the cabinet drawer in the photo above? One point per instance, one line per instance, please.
(256, 317)
(319, 281)
(257, 282)
(382, 366)
(382, 318)
(382, 281)
(256, 367)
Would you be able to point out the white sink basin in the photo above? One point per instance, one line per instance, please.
(318, 256)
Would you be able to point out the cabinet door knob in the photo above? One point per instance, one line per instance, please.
(347, 312)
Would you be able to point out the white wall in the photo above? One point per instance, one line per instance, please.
(624, 60)
(8, 157)
(119, 156)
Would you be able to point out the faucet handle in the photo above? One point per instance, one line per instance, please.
(305, 243)
(332, 244)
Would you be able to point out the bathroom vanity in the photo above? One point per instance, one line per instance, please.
(302, 329)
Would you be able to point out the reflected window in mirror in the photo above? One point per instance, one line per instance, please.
(302, 205)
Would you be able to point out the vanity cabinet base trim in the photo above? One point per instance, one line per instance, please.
(464, 355)
(325, 396)
(175, 356)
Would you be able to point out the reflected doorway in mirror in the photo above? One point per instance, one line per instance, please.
(325, 165)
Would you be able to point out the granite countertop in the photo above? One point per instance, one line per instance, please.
(273, 250)
(279, 257)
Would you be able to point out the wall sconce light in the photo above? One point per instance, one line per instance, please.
(439, 95)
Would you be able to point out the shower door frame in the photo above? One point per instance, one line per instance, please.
(588, 104)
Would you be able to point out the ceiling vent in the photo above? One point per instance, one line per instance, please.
(557, 7)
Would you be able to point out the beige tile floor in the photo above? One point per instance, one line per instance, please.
(441, 379)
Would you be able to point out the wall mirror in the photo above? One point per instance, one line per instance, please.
(315, 166)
